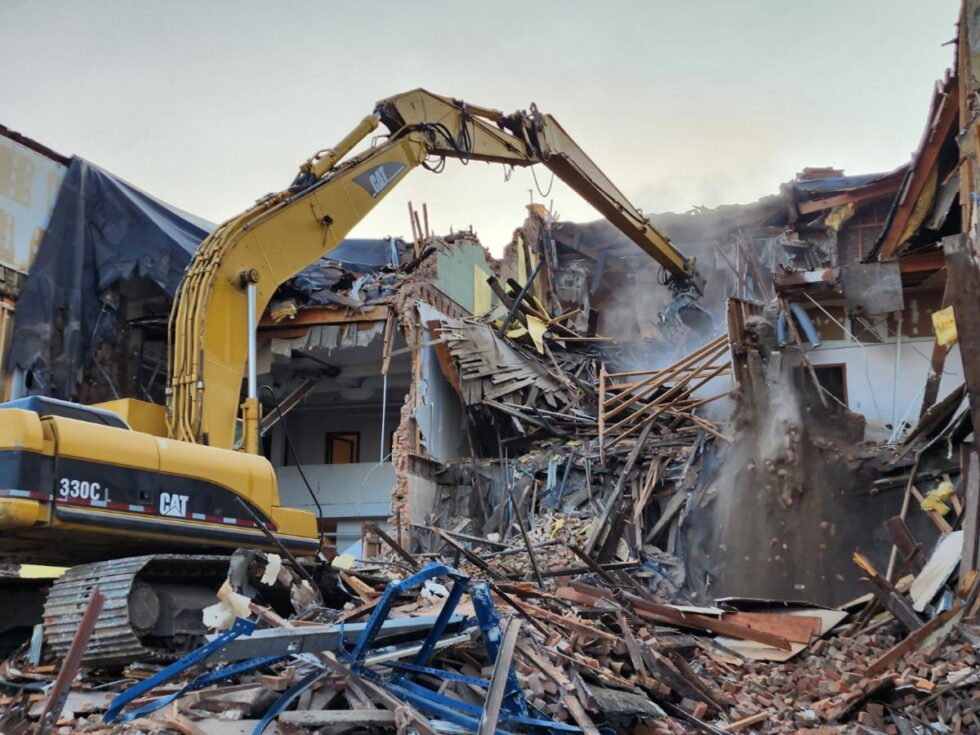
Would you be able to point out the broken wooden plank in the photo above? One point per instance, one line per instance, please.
(395, 705)
(893, 600)
(527, 540)
(794, 628)
(901, 536)
(670, 615)
(499, 678)
(393, 545)
(911, 642)
(567, 622)
(970, 474)
(937, 570)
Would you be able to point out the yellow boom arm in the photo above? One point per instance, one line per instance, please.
(285, 232)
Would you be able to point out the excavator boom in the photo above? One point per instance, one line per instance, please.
(284, 232)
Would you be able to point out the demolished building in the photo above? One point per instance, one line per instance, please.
(754, 510)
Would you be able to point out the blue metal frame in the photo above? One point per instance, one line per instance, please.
(192, 659)
(513, 710)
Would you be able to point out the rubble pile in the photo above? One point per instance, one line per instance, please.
(551, 593)
(656, 508)
(585, 645)
(531, 363)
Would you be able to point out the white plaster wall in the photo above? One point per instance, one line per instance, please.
(438, 411)
(308, 429)
(871, 376)
(421, 498)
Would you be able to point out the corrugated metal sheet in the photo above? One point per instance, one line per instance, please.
(29, 184)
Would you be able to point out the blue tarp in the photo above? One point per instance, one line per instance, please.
(836, 183)
(365, 256)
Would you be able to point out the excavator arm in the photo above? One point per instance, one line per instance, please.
(239, 266)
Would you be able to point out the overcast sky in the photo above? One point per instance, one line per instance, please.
(210, 105)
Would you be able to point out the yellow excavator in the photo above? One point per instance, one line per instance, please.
(137, 498)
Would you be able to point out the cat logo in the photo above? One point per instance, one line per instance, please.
(172, 504)
(377, 179)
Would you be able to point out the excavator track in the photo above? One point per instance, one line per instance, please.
(132, 589)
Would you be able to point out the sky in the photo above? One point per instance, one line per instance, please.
(210, 105)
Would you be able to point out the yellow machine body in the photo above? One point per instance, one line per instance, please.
(75, 490)
(150, 418)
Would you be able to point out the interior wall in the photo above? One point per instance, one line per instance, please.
(462, 269)
(871, 376)
(308, 429)
(439, 412)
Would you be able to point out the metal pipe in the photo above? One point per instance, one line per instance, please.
(325, 160)
(384, 411)
(897, 376)
(804, 321)
(253, 383)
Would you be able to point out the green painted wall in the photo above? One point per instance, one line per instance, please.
(455, 271)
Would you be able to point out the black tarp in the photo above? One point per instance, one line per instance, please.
(102, 230)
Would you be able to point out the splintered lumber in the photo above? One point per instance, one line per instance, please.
(964, 284)
(716, 348)
(674, 506)
(567, 622)
(602, 414)
(970, 473)
(393, 545)
(576, 570)
(499, 677)
(699, 724)
(672, 616)
(658, 377)
(903, 540)
(392, 703)
(578, 713)
(794, 628)
(473, 558)
(602, 526)
(527, 540)
(676, 393)
(357, 611)
(519, 299)
(361, 589)
(893, 600)
(913, 640)
(632, 647)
